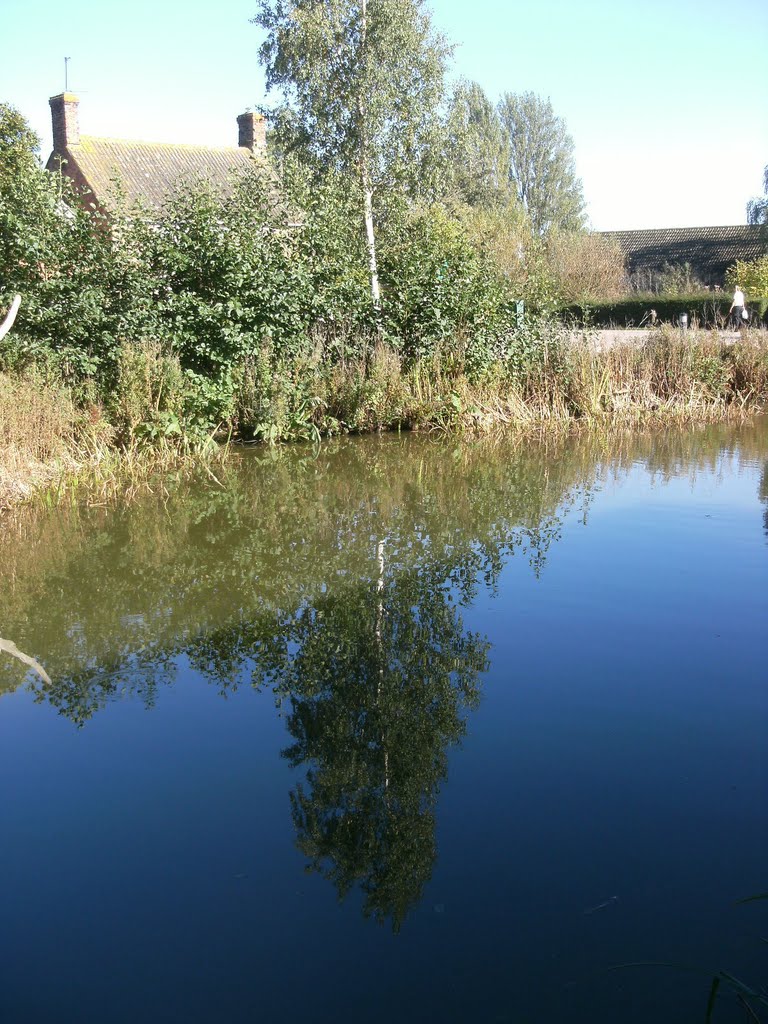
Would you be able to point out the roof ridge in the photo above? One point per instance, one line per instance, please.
(707, 227)
(164, 145)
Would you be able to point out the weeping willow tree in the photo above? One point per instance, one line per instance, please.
(360, 85)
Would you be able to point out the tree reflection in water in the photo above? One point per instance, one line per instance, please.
(379, 683)
(378, 676)
(335, 580)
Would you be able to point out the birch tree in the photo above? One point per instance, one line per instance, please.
(360, 84)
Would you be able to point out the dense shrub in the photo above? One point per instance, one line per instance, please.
(443, 294)
(250, 312)
(86, 289)
(181, 319)
(586, 267)
(752, 276)
(520, 256)
(228, 280)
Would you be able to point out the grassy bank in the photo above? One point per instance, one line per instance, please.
(52, 444)
(54, 437)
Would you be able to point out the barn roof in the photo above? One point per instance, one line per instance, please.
(149, 171)
(709, 251)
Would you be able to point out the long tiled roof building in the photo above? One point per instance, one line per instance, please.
(709, 251)
(147, 171)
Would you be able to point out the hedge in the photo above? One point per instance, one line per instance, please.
(706, 310)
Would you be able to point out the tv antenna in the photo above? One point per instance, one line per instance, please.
(66, 73)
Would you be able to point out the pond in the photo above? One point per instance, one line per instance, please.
(402, 729)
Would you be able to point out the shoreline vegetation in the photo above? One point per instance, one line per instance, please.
(54, 446)
(259, 311)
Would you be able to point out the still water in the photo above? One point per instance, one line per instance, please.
(396, 731)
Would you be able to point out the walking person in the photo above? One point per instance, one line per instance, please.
(737, 308)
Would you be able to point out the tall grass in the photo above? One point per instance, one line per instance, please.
(54, 447)
(51, 444)
(675, 375)
(38, 435)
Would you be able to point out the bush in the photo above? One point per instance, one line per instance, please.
(236, 310)
(669, 280)
(752, 276)
(442, 293)
(520, 256)
(586, 267)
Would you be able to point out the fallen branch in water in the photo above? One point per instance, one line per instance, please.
(13, 650)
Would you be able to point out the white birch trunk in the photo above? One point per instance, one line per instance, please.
(7, 324)
(371, 240)
(365, 176)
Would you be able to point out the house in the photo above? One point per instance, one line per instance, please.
(708, 251)
(148, 171)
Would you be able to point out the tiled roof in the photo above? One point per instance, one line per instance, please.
(709, 250)
(148, 171)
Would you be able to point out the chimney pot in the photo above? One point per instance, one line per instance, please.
(66, 124)
(252, 132)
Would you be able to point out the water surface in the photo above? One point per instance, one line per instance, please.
(399, 730)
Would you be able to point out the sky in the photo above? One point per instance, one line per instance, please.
(666, 102)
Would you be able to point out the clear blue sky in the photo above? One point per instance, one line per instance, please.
(667, 102)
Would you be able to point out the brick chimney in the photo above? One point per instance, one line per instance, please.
(66, 125)
(252, 132)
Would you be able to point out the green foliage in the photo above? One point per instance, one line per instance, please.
(444, 294)
(83, 285)
(477, 152)
(585, 266)
(232, 310)
(537, 360)
(521, 257)
(517, 153)
(228, 278)
(752, 276)
(146, 402)
(331, 244)
(358, 81)
(541, 163)
(19, 146)
(361, 83)
(712, 373)
(247, 313)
